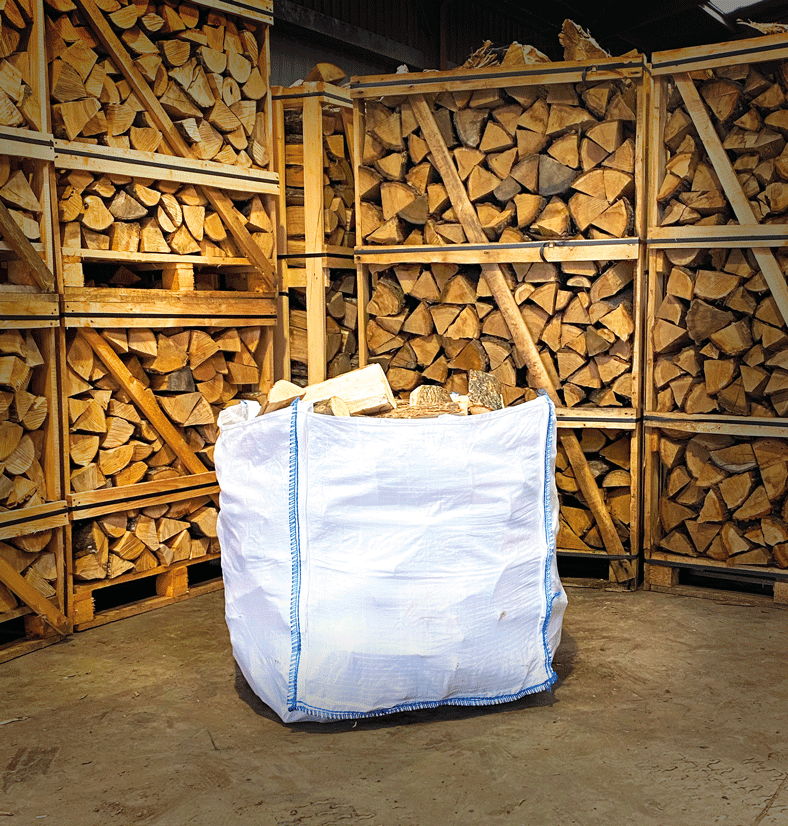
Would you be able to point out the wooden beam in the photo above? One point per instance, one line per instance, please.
(315, 238)
(176, 144)
(34, 598)
(145, 400)
(541, 376)
(19, 243)
(730, 184)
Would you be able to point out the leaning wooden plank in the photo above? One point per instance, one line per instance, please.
(733, 190)
(144, 399)
(19, 243)
(172, 137)
(624, 570)
(33, 598)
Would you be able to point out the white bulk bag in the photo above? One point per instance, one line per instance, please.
(381, 565)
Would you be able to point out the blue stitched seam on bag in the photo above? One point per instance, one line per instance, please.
(457, 701)
(295, 554)
(550, 539)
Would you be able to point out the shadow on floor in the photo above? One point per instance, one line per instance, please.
(563, 664)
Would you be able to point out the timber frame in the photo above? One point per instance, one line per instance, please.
(490, 256)
(680, 69)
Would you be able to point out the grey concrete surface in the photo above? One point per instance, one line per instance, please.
(668, 710)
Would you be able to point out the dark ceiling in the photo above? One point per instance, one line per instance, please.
(646, 25)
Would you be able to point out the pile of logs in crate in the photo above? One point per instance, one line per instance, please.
(176, 236)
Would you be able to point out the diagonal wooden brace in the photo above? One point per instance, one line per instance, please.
(176, 144)
(34, 599)
(20, 244)
(623, 570)
(733, 190)
(145, 400)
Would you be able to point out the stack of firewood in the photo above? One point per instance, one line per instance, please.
(725, 498)
(338, 194)
(18, 105)
(115, 212)
(139, 540)
(341, 328)
(545, 162)
(23, 414)
(609, 457)
(28, 555)
(201, 65)
(719, 339)
(18, 197)
(193, 374)
(435, 323)
(749, 110)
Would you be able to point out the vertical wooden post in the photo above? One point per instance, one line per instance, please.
(282, 335)
(314, 235)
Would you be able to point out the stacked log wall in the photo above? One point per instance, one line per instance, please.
(33, 562)
(717, 311)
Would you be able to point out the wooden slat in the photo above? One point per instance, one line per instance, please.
(33, 520)
(136, 164)
(728, 425)
(25, 310)
(727, 236)
(412, 83)
(153, 258)
(260, 10)
(495, 253)
(84, 588)
(142, 495)
(733, 191)
(21, 245)
(95, 306)
(34, 598)
(26, 143)
(177, 145)
(732, 53)
(624, 570)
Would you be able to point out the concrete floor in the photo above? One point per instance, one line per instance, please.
(668, 711)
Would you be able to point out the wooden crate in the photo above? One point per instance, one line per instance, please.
(141, 425)
(553, 271)
(119, 231)
(718, 302)
(313, 145)
(613, 448)
(120, 83)
(716, 501)
(32, 562)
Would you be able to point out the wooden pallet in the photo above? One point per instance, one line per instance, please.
(310, 248)
(666, 573)
(152, 589)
